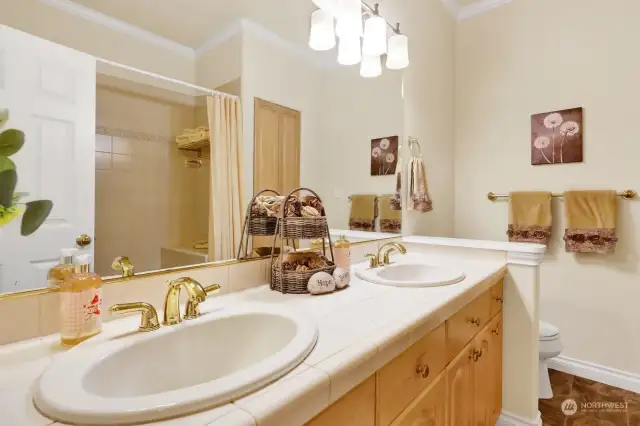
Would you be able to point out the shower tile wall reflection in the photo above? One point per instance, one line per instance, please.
(147, 202)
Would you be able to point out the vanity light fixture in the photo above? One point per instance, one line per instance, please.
(371, 66)
(323, 35)
(349, 52)
(375, 35)
(355, 43)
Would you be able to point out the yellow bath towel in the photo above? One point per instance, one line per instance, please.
(390, 219)
(529, 217)
(591, 221)
(363, 212)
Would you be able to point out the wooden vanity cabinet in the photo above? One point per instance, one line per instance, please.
(429, 384)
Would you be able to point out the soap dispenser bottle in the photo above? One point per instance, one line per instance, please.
(342, 251)
(63, 270)
(80, 303)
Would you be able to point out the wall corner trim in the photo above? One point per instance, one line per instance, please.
(120, 26)
(508, 419)
(599, 373)
(524, 258)
(479, 7)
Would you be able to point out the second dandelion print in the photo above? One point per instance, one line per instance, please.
(556, 137)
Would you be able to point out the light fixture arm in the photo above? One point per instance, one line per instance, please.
(375, 10)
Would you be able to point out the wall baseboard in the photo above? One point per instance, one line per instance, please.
(599, 373)
(508, 419)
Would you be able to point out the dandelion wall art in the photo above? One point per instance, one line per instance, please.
(384, 156)
(556, 137)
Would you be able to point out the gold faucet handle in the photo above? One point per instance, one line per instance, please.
(373, 260)
(148, 320)
(192, 309)
(124, 265)
(211, 289)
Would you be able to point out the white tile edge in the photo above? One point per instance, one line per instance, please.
(509, 419)
(600, 373)
(517, 253)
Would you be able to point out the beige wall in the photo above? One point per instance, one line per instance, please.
(532, 56)
(278, 76)
(35, 17)
(353, 110)
(145, 198)
(220, 65)
(428, 106)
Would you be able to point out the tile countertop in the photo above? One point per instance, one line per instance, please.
(360, 329)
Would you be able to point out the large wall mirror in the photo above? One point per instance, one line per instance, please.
(133, 190)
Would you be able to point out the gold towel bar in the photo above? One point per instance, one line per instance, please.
(377, 198)
(629, 194)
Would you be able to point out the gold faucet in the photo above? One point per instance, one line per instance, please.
(196, 295)
(149, 318)
(123, 264)
(392, 247)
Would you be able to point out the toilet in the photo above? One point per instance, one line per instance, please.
(550, 346)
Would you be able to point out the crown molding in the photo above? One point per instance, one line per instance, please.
(248, 26)
(220, 37)
(479, 7)
(120, 26)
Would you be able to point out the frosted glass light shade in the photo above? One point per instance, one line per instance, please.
(371, 66)
(349, 26)
(349, 52)
(330, 6)
(322, 36)
(398, 55)
(375, 36)
(349, 7)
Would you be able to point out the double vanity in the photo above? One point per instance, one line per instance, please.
(417, 341)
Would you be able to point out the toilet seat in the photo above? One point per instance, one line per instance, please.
(548, 332)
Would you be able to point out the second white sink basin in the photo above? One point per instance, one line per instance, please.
(175, 371)
(411, 271)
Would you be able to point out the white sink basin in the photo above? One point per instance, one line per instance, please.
(176, 370)
(411, 271)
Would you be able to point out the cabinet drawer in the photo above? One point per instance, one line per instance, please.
(402, 380)
(357, 408)
(429, 408)
(496, 298)
(466, 323)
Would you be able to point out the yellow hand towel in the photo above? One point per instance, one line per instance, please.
(529, 217)
(591, 221)
(390, 219)
(363, 213)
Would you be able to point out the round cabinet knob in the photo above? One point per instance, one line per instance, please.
(423, 370)
(499, 299)
(83, 240)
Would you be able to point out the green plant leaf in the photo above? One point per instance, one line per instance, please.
(6, 164)
(8, 181)
(4, 115)
(10, 142)
(35, 215)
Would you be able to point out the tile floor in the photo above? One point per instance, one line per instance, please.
(625, 409)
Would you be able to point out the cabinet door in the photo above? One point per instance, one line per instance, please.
(357, 408)
(410, 373)
(429, 408)
(461, 387)
(495, 348)
(483, 378)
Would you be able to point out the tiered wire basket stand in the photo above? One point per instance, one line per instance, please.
(257, 226)
(298, 228)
